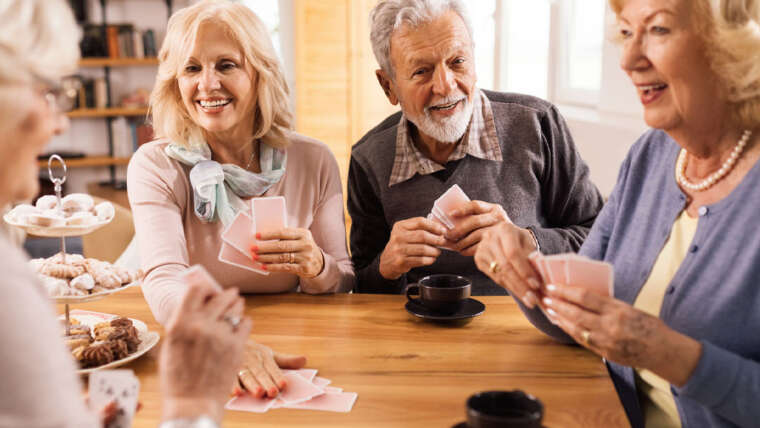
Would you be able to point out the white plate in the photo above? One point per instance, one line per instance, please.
(55, 232)
(94, 296)
(148, 339)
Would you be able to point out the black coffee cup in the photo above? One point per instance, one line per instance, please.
(500, 409)
(441, 293)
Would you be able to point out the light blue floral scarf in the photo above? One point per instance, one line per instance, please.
(212, 181)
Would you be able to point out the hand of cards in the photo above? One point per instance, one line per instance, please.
(268, 215)
(121, 386)
(575, 270)
(305, 391)
(451, 200)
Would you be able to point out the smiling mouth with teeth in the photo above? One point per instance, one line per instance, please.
(214, 103)
(648, 89)
(445, 107)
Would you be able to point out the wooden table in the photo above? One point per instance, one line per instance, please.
(407, 372)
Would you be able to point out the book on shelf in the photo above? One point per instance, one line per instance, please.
(117, 41)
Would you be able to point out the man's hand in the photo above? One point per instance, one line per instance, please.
(413, 243)
(475, 218)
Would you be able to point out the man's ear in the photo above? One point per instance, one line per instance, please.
(385, 83)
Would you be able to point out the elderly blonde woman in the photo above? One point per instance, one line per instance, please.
(40, 387)
(680, 336)
(221, 115)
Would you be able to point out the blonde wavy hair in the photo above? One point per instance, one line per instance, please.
(272, 117)
(730, 30)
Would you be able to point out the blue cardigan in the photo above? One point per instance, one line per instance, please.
(714, 296)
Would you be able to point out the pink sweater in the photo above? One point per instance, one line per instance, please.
(170, 237)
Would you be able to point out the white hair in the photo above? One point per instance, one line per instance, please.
(389, 15)
(731, 32)
(40, 38)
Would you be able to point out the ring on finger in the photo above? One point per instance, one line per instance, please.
(292, 258)
(586, 336)
(494, 266)
(232, 320)
(243, 372)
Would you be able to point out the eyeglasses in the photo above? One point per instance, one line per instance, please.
(61, 96)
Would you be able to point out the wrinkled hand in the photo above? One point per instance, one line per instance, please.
(260, 373)
(294, 252)
(201, 352)
(413, 243)
(623, 334)
(503, 255)
(477, 217)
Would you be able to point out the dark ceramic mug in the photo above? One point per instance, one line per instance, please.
(514, 409)
(441, 293)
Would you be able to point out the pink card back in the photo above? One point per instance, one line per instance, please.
(269, 214)
(239, 234)
(592, 274)
(555, 269)
(249, 403)
(331, 401)
(228, 254)
(299, 389)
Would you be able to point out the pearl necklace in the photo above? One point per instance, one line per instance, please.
(716, 176)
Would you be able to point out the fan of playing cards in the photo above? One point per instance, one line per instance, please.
(576, 270)
(305, 391)
(269, 215)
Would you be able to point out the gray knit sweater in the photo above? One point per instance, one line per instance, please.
(542, 184)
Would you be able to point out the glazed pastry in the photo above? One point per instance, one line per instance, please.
(98, 289)
(121, 322)
(76, 202)
(104, 211)
(55, 286)
(76, 259)
(47, 202)
(77, 353)
(77, 329)
(97, 354)
(102, 331)
(60, 270)
(123, 273)
(103, 276)
(74, 342)
(84, 282)
(20, 212)
(81, 218)
(45, 220)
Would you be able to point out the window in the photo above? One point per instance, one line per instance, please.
(269, 12)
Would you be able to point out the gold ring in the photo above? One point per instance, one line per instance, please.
(494, 267)
(242, 372)
(586, 336)
(292, 258)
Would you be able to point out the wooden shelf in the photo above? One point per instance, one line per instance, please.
(108, 112)
(116, 62)
(89, 161)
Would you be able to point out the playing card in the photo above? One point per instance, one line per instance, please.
(320, 382)
(249, 403)
(537, 260)
(228, 254)
(199, 274)
(333, 389)
(119, 385)
(442, 217)
(451, 200)
(593, 275)
(269, 214)
(333, 402)
(307, 374)
(299, 389)
(239, 234)
(555, 268)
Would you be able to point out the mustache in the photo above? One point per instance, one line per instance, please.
(451, 99)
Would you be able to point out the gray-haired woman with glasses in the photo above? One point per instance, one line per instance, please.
(39, 386)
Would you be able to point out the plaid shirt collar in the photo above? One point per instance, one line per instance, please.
(479, 141)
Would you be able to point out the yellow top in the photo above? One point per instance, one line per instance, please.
(654, 392)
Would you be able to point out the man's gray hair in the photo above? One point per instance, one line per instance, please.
(389, 15)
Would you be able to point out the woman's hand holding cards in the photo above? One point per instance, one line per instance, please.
(290, 250)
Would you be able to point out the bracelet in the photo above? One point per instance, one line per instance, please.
(199, 422)
(535, 240)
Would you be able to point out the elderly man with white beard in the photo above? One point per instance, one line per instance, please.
(511, 154)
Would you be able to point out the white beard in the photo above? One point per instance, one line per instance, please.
(449, 130)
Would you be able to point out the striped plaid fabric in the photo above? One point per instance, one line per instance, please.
(479, 141)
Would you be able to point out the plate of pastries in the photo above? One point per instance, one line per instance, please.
(101, 341)
(76, 279)
(78, 215)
